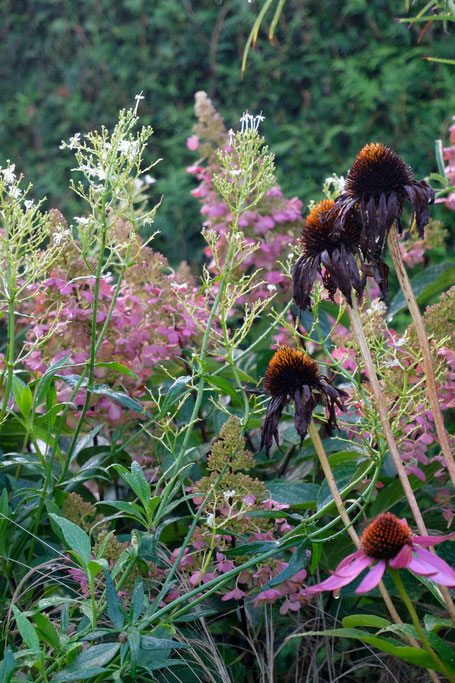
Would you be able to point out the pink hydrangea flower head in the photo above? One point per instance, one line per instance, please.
(389, 540)
(192, 142)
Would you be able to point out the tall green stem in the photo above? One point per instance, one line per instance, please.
(415, 620)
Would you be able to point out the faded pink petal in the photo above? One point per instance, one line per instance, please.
(353, 570)
(373, 577)
(403, 558)
(432, 540)
(236, 594)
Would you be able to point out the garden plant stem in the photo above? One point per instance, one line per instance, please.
(323, 459)
(431, 388)
(383, 416)
(415, 620)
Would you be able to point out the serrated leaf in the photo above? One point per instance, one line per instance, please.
(75, 537)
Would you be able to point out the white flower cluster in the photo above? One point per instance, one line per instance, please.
(10, 179)
(338, 183)
(250, 122)
(61, 234)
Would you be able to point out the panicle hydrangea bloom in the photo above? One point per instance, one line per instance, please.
(149, 324)
(275, 220)
(449, 157)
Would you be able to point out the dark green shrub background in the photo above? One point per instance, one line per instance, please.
(342, 73)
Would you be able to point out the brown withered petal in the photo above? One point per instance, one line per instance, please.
(378, 185)
(334, 249)
(292, 376)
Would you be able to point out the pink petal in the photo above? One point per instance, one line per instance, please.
(432, 540)
(348, 559)
(444, 575)
(373, 577)
(353, 570)
(421, 567)
(402, 559)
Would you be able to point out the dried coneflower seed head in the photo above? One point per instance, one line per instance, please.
(288, 371)
(318, 234)
(378, 170)
(385, 537)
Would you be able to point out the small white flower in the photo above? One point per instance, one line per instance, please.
(229, 494)
(100, 172)
(137, 183)
(74, 141)
(138, 98)
(258, 119)
(378, 306)
(8, 173)
(88, 170)
(149, 179)
(271, 288)
(210, 520)
(235, 172)
(231, 137)
(14, 192)
(28, 204)
(129, 147)
(177, 287)
(82, 220)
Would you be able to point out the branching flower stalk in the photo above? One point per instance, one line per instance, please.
(246, 175)
(387, 430)
(431, 389)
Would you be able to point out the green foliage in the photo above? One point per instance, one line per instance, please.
(338, 76)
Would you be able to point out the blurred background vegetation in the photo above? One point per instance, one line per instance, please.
(340, 74)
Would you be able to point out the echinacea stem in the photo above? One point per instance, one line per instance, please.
(387, 430)
(325, 464)
(415, 620)
(431, 389)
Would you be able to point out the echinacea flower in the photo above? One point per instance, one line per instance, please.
(389, 540)
(336, 253)
(378, 185)
(292, 376)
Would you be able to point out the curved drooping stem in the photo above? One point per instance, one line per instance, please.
(324, 461)
(387, 430)
(431, 389)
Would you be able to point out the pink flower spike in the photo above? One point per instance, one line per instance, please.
(373, 577)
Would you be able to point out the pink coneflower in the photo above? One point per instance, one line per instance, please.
(389, 540)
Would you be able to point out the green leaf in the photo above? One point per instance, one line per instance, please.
(137, 601)
(119, 368)
(393, 647)
(296, 494)
(25, 401)
(44, 382)
(175, 391)
(88, 663)
(253, 548)
(46, 630)
(136, 481)
(153, 643)
(346, 456)
(114, 606)
(124, 400)
(86, 439)
(429, 282)
(134, 640)
(224, 386)
(27, 631)
(434, 623)
(298, 561)
(343, 475)
(75, 537)
(316, 556)
(355, 620)
(7, 667)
